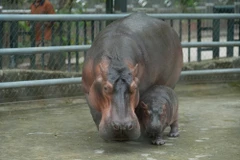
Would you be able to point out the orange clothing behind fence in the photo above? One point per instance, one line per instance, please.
(44, 7)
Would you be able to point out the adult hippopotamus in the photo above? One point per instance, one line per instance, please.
(127, 58)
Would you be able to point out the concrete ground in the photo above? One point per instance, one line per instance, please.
(62, 129)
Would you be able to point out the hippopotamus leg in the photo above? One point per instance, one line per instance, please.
(158, 140)
(174, 129)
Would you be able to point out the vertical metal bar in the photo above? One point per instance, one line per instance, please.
(230, 36)
(171, 23)
(216, 36)
(42, 44)
(60, 42)
(199, 37)
(21, 33)
(24, 37)
(239, 36)
(1, 40)
(189, 38)
(77, 43)
(180, 29)
(61, 33)
(1, 34)
(100, 26)
(109, 6)
(85, 35)
(69, 42)
(33, 42)
(92, 30)
(109, 9)
(13, 42)
(52, 36)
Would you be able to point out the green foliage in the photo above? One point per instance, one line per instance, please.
(71, 6)
(188, 3)
(24, 26)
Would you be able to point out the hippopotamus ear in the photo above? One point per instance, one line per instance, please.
(164, 109)
(142, 111)
(103, 71)
(143, 105)
(134, 70)
(144, 108)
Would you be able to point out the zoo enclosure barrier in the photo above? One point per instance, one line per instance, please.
(72, 35)
(18, 31)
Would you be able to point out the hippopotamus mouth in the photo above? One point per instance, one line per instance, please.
(152, 134)
(108, 132)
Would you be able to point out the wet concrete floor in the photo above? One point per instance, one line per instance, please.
(62, 129)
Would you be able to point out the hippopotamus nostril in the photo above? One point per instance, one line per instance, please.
(123, 127)
(115, 126)
(130, 127)
(127, 126)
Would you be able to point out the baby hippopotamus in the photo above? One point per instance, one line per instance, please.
(158, 108)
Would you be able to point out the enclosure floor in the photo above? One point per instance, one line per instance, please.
(62, 129)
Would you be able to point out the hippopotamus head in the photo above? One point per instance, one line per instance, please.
(115, 94)
(153, 117)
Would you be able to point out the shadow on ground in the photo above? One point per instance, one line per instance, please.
(62, 129)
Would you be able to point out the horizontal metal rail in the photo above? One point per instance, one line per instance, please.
(98, 17)
(210, 44)
(211, 71)
(46, 82)
(73, 48)
(16, 11)
(35, 50)
(77, 80)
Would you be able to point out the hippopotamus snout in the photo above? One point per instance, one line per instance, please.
(153, 128)
(125, 126)
(120, 130)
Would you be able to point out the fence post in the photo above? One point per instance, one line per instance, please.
(216, 33)
(1, 35)
(199, 37)
(69, 43)
(42, 28)
(77, 43)
(85, 36)
(120, 5)
(189, 39)
(230, 32)
(237, 10)
(109, 9)
(33, 42)
(13, 42)
(230, 35)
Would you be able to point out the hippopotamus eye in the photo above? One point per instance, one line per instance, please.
(108, 88)
(105, 88)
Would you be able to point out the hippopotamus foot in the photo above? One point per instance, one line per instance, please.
(174, 130)
(158, 141)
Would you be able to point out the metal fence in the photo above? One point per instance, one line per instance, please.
(19, 31)
(24, 57)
